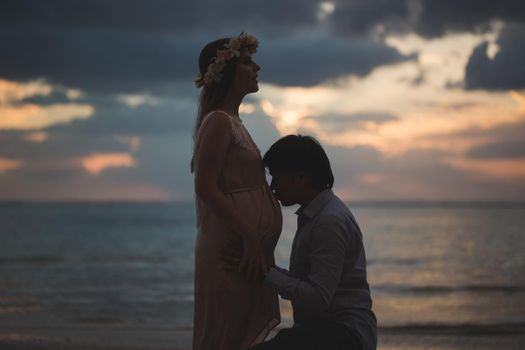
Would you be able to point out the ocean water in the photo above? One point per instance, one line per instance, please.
(453, 267)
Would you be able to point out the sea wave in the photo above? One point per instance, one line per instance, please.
(402, 289)
(50, 260)
(460, 328)
(393, 261)
(31, 260)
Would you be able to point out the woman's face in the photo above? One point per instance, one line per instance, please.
(246, 74)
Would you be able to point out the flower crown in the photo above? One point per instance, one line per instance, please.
(231, 49)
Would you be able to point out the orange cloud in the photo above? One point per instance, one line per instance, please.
(7, 164)
(98, 162)
(28, 116)
(519, 98)
(11, 91)
(135, 101)
(371, 178)
(31, 116)
(38, 136)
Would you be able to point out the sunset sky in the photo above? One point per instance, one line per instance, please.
(413, 100)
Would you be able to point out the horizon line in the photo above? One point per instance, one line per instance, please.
(181, 201)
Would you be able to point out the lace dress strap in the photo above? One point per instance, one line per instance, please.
(240, 135)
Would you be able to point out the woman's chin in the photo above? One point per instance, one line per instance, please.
(254, 89)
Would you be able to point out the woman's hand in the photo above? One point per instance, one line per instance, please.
(246, 257)
(253, 263)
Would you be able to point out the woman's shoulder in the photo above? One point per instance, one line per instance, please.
(217, 118)
(218, 113)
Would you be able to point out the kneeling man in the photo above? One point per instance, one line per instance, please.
(326, 282)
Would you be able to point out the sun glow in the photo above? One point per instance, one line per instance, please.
(7, 164)
(418, 92)
(504, 169)
(425, 96)
(11, 91)
(18, 114)
(31, 116)
(37, 136)
(98, 162)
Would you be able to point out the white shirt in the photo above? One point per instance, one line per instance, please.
(327, 279)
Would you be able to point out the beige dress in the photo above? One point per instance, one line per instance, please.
(230, 312)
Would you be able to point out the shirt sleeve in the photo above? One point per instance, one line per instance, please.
(328, 246)
(282, 279)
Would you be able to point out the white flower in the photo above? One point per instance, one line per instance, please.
(234, 44)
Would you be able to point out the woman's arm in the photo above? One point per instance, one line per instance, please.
(215, 140)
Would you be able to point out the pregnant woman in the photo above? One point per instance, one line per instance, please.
(235, 206)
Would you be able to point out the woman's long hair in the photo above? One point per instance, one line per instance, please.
(213, 95)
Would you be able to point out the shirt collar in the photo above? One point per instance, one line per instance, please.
(315, 206)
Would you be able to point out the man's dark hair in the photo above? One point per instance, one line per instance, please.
(297, 153)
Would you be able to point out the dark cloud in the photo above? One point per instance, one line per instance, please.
(262, 130)
(136, 46)
(503, 149)
(164, 161)
(351, 17)
(54, 97)
(508, 131)
(350, 163)
(428, 18)
(114, 117)
(58, 147)
(506, 70)
(358, 18)
(437, 18)
(51, 167)
(307, 61)
(415, 175)
(128, 45)
(506, 141)
(161, 15)
(97, 61)
(100, 61)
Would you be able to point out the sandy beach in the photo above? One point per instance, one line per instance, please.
(100, 338)
(48, 332)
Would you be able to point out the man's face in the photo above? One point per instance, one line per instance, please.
(286, 188)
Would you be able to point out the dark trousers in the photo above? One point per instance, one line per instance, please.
(327, 336)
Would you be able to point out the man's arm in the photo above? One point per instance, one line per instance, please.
(327, 250)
